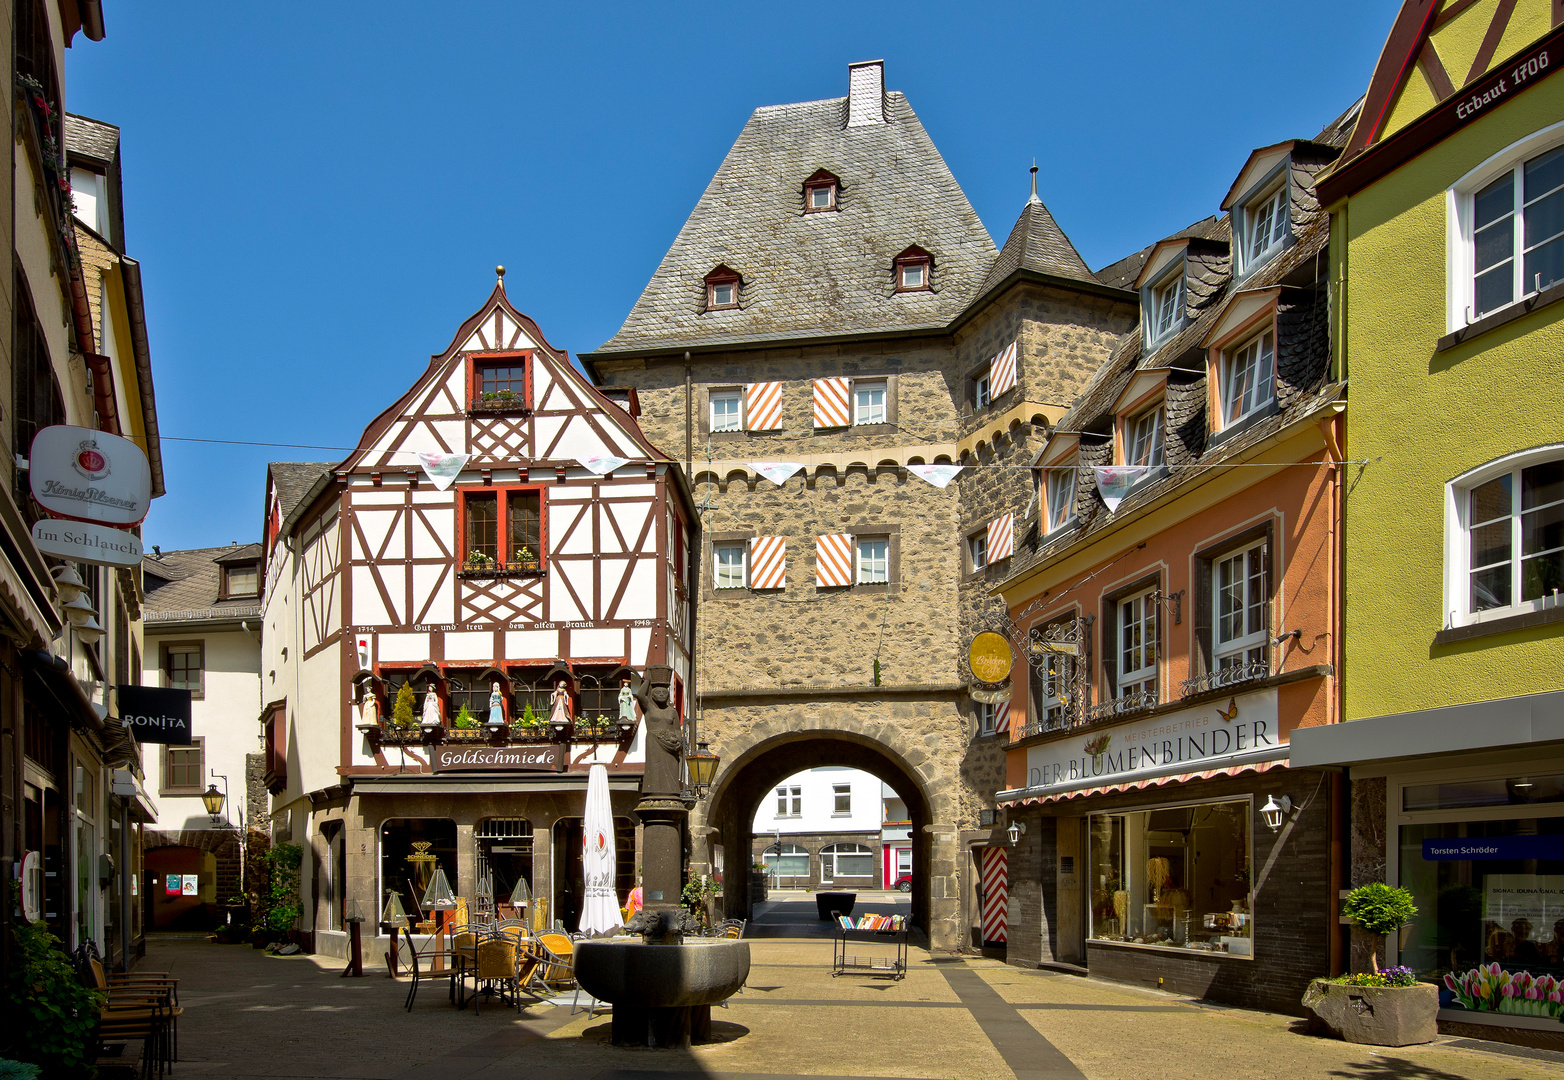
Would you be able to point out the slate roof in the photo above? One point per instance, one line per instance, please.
(817, 274)
(293, 480)
(1037, 243)
(87, 137)
(182, 586)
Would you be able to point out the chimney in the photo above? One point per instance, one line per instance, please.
(866, 93)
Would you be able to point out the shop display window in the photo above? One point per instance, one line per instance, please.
(410, 851)
(1490, 898)
(1176, 877)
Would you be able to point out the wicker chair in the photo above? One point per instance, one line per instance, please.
(145, 1010)
(556, 956)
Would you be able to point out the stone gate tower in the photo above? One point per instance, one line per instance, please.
(833, 306)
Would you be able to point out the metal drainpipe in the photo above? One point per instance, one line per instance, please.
(689, 432)
(126, 874)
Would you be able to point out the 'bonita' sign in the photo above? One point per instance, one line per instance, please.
(1189, 740)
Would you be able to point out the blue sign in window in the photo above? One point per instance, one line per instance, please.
(1495, 847)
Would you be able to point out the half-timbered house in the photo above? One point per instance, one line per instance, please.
(451, 613)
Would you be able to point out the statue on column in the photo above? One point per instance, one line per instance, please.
(369, 709)
(431, 707)
(559, 711)
(626, 703)
(496, 704)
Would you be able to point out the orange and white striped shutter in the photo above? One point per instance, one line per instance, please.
(833, 398)
(763, 406)
(1002, 371)
(1002, 537)
(768, 562)
(1002, 717)
(833, 560)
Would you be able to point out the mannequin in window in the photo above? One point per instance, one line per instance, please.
(431, 707)
(559, 712)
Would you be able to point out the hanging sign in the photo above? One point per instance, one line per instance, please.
(88, 475)
(442, 469)
(548, 757)
(989, 657)
(81, 541)
(156, 714)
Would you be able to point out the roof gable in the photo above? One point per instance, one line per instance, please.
(812, 275)
(1037, 243)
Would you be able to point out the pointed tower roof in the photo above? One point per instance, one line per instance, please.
(807, 272)
(1039, 245)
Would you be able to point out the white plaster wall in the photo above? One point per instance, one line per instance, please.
(818, 796)
(225, 717)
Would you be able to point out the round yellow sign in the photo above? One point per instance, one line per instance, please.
(989, 656)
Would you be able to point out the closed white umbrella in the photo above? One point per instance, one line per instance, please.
(600, 915)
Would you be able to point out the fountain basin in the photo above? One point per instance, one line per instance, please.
(626, 971)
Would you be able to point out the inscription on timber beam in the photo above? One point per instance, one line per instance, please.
(549, 758)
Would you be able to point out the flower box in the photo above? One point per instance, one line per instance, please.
(1374, 1015)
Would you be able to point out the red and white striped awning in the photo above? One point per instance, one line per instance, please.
(1022, 797)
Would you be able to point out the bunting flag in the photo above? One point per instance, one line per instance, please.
(763, 406)
(938, 475)
(833, 561)
(1115, 481)
(1001, 537)
(832, 398)
(604, 464)
(1002, 372)
(768, 562)
(442, 469)
(776, 471)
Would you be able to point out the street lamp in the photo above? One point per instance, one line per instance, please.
(703, 768)
(1015, 832)
(1275, 813)
(213, 800)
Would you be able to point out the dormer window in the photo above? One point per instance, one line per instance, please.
(241, 580)
(1143, 438)
(722, 289)
(1248, 376)
(913, 268)
(1264, 222)
(820, 192)
(1165, 304)
(1059, 496)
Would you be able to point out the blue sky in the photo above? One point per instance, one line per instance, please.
(318, 193)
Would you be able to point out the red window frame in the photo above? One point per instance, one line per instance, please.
(477, 361)
(722, 274)
(915, 256)
(502, 493)
(820, 179)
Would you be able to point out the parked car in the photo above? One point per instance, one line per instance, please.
(904, 883)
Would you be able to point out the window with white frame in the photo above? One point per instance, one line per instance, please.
(977, 549)
(868, 401)
(987, 717)
(1138, 645)
(786, 860)
(790, 801)
(1238, 602)
(1248, 377)
(1509, 544)
(1165, 309)
(1264, 219)
(728, 566)
(1517, 233)
(841, 800)
(981, 392)
(1145, 438)
(727, 410)
(874, 561)
(1060, 495)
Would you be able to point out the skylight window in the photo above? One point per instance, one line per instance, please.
(820, 192)
(913, 269)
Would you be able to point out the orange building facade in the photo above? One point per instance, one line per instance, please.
(1174, 617)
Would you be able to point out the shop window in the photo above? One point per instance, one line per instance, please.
(411, 849)
(1489, 886)
(786, 861)
(1467, 794)
(844, 861)
(1176, 877)
(569, 873)
(503, 854)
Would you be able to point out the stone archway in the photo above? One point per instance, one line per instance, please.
(751, 772)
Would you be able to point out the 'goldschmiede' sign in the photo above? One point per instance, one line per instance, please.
(1188, 740)
(546, 757)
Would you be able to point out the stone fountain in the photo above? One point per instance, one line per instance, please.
(662, 987)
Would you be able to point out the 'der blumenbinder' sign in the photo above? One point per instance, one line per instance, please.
(99, 484)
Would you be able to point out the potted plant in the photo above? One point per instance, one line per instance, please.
(402, 708)
(478, 560)
(1379, 1008)
(524, 558)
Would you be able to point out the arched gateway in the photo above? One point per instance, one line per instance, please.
(754, 763)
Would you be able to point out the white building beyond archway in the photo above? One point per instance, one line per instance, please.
(832, 825)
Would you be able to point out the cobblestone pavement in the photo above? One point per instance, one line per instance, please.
(252, 1015)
